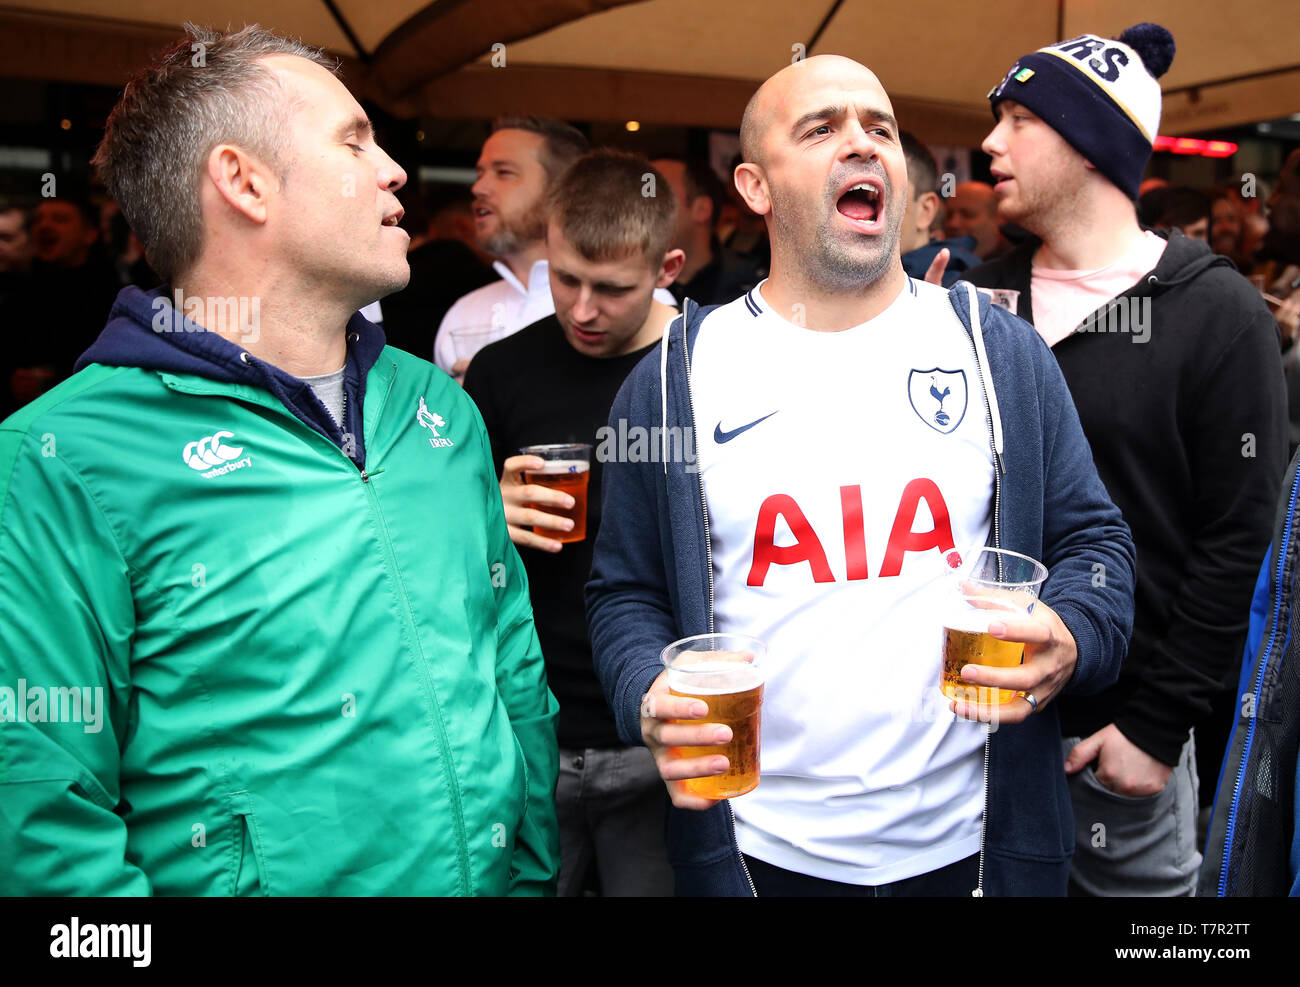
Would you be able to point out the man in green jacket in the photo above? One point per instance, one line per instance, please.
(262, 630)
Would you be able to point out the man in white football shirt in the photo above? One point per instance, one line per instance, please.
(853, 428)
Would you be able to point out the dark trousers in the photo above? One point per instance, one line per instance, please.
(956, 880)
(611, 805)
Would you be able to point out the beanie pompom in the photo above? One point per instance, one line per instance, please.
(1154, 44)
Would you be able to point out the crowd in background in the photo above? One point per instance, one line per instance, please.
(78, 248)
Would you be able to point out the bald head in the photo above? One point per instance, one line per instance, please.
(824, 167)
(763, 107)
(978, 194)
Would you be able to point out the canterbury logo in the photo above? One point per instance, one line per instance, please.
(212, 457)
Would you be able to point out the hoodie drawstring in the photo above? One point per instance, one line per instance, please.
(663, 384)
(978, 332)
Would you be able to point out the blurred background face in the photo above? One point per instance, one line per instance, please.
(510, 192)
(1199, 230)
(15, 246)
(601, 305)
(1225, 227)
(60, 234)
(675, 173)
(1284, 211)
(917, 220)
(973, 211)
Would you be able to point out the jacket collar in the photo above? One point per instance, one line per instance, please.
(146, 331)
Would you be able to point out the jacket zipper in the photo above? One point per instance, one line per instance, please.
(390, 560)
(444, 744)
(708, 558)
(453, 789)
(1230, 829)
(997, 543)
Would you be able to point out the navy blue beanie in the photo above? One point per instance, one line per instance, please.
(1101, 95)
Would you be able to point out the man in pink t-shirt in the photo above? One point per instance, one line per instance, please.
(1172, 360)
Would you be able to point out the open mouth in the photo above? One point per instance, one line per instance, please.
(394, 219)
(586, 335)
(860, 202)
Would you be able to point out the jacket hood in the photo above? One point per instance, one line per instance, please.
(1184, 258)
(147, 332)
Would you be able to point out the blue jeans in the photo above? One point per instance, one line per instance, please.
(612, 805)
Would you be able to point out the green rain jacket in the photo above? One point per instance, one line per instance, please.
(244, 651)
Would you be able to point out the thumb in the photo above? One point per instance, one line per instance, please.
(1082, 753)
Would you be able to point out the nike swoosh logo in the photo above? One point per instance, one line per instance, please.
(719, 436)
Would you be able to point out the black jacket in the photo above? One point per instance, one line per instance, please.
(726, 277)
(1183, 403)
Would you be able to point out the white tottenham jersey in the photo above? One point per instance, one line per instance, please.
(839, 468)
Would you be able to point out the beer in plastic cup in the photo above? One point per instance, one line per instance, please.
(568, 468)
(994, 585)
(725, 672)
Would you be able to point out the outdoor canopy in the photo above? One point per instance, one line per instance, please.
(684, 62)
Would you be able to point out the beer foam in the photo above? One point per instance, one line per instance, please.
(976, 620)
(556, 467)
(714, 678)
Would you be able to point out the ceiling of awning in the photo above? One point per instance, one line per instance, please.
(682, 61)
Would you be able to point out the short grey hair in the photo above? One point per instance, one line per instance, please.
(208, 88)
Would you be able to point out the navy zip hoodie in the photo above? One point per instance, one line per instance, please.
(651, 584)
(144, 330)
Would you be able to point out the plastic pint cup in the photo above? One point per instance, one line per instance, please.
(468, 340)
(725, 671)
(568, 468)
(993, 586)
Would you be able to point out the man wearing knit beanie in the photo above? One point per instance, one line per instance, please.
(1172, 360)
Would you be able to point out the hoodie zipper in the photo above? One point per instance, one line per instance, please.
(708, 558)
(699, 479)
(997, 543)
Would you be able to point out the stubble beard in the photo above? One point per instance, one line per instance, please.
(516, 234)
(1023, 211)
(1052, 210)
(829, 263)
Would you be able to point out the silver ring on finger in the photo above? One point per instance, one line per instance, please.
(1033, 703)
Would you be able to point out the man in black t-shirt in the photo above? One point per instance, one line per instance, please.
(611, 223)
